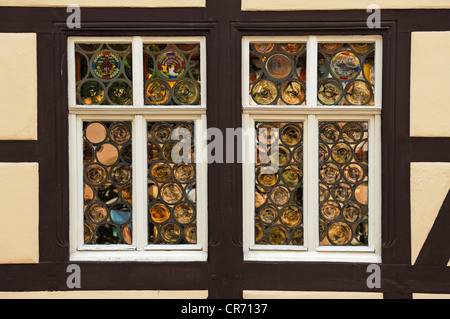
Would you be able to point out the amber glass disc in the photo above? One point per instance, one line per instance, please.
(186, 92)
(362, 233)
(171, 193)
(264, 47)
(324, 152)
(298, 154)
(277, 235)
(88, 193)
(160, 171)
(279, 66)
(352, 132)
(157, 92)
(97, 213)
(330, 173)
(340, 233)
(184, 172)
(358, 93)
(260, 196)
(92, 92)
(352, 212)
(121, 174)
(96, 133)
(280, 195)
(291, 135)
(361, 47)
(291, 216)
(292, 48)
(264, 92)
(324, 192)
(171, 233)
(330, 132)
(330, 92)
(184, 213)
(361, 193)
(345, 65)
(120, 133)
(341, 153)
(162, 132)
(280, 156)
(120, 93)
(268, 214)
(268, 176)
(95, 174)
(259, 232)
(354, 173)
(330, 47)
(268, 134)
(341, 192)
(107, 154)
(297, 237)
(88, 233)
(292, 175)
(190, 234)
(293, 92)
(127, 193)
(159, 213)
(330, 210)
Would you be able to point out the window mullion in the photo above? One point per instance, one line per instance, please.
(311, 71)
(138, 72)
(312, 183)
(139, 183)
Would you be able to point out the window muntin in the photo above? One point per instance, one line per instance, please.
(111, 219)
(365, 231)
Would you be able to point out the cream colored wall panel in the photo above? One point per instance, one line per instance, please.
(105, 3)
(430, 183)
(18, 86)
(19, 216)
(257, 294)
(129, 294)
(290, 5)
(430, 96)
(431, 296)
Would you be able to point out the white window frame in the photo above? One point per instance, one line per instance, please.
(310, 115)
(139, 115)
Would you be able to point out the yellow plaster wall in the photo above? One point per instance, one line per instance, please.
(18, 86)
(430, 95)
(105, 3)
(258, 294)
(19, 215)
(291, 5)
(128, 294)
(430, 183)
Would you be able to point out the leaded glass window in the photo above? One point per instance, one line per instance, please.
(134, 174)
(315, 173)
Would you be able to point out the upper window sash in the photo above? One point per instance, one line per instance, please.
(137, 68)
(312, 81)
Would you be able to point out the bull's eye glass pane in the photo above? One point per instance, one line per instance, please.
(343, 183)
(277, 73)
(104, 73)
(107, 183)
(346, 73)
(279, 184)
(172, 74)
(171, 184)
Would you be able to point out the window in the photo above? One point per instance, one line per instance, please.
(137, 110)
(313, 165)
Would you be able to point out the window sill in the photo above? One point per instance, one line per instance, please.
(313, 256)
(140, 256)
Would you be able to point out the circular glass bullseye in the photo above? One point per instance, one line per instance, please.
(329, 132)
(120, 133)
(330, 210)
(184, 213)
(291, 216)
(293, 92)
(157, 92)
(268, 214)
(97, 213)
(171, 193)
(345, 65)
(264, 92)
(95, 174)
(120, 93)
(264, 47)
(96, 133)
(279, 66)
(190, 234)
(340, 233)
(186, 92)
(159, 213)
(330, 92)
(91, 93)
(171, 233)
(341, 153)
(292, 48)
(160, 171)
(358, 93)
(277, 235)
